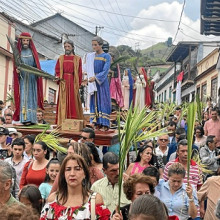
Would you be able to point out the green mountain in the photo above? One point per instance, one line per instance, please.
(158, 51)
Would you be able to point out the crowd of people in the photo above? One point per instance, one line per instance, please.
(84, 183)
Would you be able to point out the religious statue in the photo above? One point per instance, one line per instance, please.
(28, 88)
(115, 85)
(127, 88)
(140, 85)
(100, 101)
(69, 77)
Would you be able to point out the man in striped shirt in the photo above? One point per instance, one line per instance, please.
(195, 177)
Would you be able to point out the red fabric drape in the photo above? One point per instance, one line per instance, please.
(180, 77)
(16, 115)
(147, 89)
(116, 90)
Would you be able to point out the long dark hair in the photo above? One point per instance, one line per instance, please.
(32, 193)
(141, 150)
(30, 137)
(94, 152)
(62, 184)
(44, 147)
(52, 161)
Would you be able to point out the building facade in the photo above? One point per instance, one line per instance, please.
(164, 86)
(6, 57)
(187, 55)
(61, 27)
(207, 77)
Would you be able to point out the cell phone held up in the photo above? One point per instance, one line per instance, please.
(9, 140)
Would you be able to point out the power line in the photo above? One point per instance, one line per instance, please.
(109, 12)
(184, 2)
(52, 29)
(122, 15)
(115, 16)
(189, 36)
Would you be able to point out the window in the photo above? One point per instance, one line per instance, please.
(174, 97)
(198, 91)
(162, 97)
(203, 92)
(52, 96)
(165, 95)
(193, 96)
(214, 85)
(170, 92)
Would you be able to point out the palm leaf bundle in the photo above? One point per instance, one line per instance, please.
(36, 126)
(137, 126)
(204, 168)
(10, 98)
(120, 59)
(200, 106)
(30, 69)
(51, 140)
(191, 117)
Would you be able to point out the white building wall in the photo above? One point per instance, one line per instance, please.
(161, 92)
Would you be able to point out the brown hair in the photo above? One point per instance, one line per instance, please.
(176, 168)
(17, 211)
(129, 185)
(148, 207)
(62, 184)
(82, 150)
(32, 193)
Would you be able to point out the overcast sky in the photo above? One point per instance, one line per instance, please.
(120, 18)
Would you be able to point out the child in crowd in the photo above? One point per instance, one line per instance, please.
(30, 196)
(53, 168)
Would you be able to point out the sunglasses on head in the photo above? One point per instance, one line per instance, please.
(84, 138)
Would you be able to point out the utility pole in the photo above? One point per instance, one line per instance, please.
(137, 44)
(97, 29)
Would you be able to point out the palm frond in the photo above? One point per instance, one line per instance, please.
(33, 70)
(191, 117)
(10, 98)
(120, 59)
(23, 67)
(138, 126)
(203, 167)
(51, 140)
(199, 108)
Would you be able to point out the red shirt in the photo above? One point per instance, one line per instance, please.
(195, 177)
(30, 176)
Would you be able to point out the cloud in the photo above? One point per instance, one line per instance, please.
(161, 30)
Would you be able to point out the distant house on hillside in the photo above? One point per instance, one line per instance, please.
(58, 26)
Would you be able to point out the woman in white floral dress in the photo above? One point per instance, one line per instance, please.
(73, 199)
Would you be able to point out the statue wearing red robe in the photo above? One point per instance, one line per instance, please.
(28, 88)
(69, 72)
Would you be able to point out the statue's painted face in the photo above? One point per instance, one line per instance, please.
(25, 43)
(68, 48)
(96, 47)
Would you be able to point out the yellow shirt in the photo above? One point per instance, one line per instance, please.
(109, 193)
